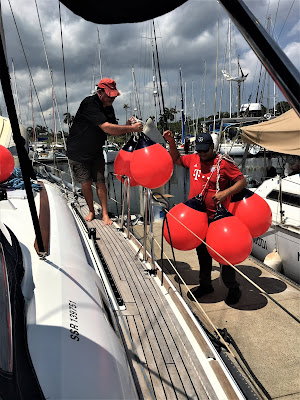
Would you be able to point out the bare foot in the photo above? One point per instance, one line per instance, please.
(107, 220)
(90, 216)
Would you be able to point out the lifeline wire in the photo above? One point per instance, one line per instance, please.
(243, 275)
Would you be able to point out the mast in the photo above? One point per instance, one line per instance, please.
(204, 102)
(230, 84)
(99, 55)
(136, 102)
(32, 114)
(182, 107)
(16, 92)
(193, 106)
(54, 128)
(160, 82)
(281, 69)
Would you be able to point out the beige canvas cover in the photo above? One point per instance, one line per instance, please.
(281, 134)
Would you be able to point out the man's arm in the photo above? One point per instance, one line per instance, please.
(174, 153)
(117, 130)
(236, 188)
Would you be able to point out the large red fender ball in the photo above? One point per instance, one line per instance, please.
(252, 210)
(151, 165)
(229, 237)
(123, 160)
(7, 163)
(193, 216)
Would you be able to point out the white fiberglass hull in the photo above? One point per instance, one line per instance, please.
(75, 350)
(238, 149)
(287, 243)
(284, 233)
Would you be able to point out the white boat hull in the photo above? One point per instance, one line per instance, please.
(238, 149)
(284, 233)
(72, 342)
(287, 243)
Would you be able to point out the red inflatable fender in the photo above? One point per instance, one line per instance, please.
(193, 216)
(123, 160)
(151, 165)
(229, 237)
(7, 163)
(252, 210)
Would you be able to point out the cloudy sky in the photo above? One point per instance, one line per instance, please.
(190, 36)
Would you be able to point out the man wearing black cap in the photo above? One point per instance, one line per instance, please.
(95, 119)
(204, 165)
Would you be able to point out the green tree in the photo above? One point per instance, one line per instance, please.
(68, 119)
(282, 107)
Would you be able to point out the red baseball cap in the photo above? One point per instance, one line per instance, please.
(109, 85)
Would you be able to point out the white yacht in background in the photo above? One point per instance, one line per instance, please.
(283, 197)
(280, 135)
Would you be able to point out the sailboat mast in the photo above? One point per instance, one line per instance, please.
(137, 108)
(33, 130)
(182, 106)
(160, 83)
(230, 83)
(99, 55)
(54, 128)
(16, 92)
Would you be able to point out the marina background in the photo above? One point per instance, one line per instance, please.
(179, 184)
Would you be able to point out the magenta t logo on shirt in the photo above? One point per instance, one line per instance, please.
(196, 174)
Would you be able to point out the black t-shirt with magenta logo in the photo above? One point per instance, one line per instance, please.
(86, 138)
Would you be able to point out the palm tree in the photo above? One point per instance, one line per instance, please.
(68, 119)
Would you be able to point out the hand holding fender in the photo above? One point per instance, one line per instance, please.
(137, 127)
(220, 196)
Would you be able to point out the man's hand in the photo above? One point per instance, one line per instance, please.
(137, 127)
(220, 196)
(168, 135)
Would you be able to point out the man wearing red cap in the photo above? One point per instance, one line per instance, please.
(95, 119)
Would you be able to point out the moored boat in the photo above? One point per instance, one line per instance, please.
(283, 197)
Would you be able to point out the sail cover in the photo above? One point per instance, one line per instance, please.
(118, 12)
(281, 134)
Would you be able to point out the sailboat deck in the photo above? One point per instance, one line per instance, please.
(163, 361)
(162, 357)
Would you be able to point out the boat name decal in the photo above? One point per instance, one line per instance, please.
(260, 242)
(74, 332)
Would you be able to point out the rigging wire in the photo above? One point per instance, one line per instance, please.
(241, 273)
(286, 20)
(63, 58)
(51, 75)
(27, 63)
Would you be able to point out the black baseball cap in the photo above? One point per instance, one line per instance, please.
(203, 141)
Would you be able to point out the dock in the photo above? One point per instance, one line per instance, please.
(171, 360)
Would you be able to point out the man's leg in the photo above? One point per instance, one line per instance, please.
(205, 263)
(102, 194)
(229, 279)
(87, 192)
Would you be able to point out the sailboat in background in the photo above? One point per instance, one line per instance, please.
(282, 241)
